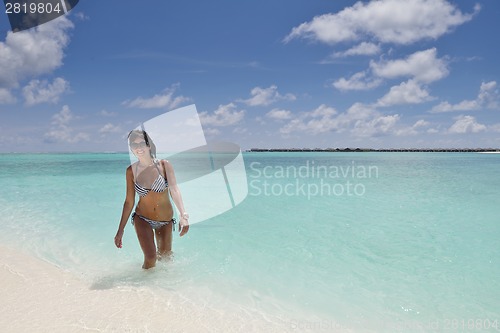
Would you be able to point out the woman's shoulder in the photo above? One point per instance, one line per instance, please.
(167, 165)
(129, 168)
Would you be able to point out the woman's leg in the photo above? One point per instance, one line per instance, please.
(146, 239)
(164, 239)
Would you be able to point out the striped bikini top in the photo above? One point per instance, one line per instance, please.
(159, 185)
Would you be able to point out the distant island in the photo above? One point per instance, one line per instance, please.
(397, 150)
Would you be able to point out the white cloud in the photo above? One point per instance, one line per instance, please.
(279, 114)
(61, 131)
(360, 120)
(359, 111)
(409, 92)
(63, 117)
(432, 131)
(421, 123)
(37, 91)
(240, 130)
(165, 99)
(110, 128)
(414, 129)
(106, 113)
(6, 96)
(317, 121)
(358, 81)
(462, 106)
(81, 16)
(488, 95)
(378, 125)
(363, 49)
(326, 119)
(466, 124)
(387, 21)
(487, 98)
(323, 111)
(225, 115)
(266, 96)
(33, 52)
(423, 66)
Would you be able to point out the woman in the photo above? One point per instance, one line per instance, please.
(152, 180)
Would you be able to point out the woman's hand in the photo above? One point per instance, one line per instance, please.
(183, 226)
(118, 239)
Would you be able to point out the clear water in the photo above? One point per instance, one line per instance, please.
(382, 242)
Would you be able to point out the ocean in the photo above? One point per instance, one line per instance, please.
(366, 242)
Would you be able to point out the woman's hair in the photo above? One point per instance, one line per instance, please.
(143, 135)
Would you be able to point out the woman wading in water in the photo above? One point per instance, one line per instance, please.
(153, 180)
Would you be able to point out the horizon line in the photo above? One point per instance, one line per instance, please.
(347, 149)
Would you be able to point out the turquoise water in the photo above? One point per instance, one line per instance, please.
(381, 242)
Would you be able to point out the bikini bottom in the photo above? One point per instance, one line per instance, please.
(154, 224)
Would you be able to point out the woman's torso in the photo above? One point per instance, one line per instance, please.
(152, 187)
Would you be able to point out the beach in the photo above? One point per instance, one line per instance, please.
(40, 297)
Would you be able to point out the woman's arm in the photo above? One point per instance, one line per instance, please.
(128, 205)
(177, 197)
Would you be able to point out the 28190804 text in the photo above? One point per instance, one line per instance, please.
(32, 8)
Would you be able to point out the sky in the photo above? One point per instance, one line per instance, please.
(262, 74)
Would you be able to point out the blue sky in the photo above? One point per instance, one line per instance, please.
(274, 73)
